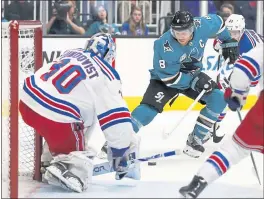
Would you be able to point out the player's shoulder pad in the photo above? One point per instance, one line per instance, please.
(163, 37)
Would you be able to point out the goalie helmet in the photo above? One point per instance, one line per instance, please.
(103, 46)
(234, 23)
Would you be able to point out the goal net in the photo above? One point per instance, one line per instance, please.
(21, 147)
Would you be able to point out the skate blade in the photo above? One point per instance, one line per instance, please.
(192, 153)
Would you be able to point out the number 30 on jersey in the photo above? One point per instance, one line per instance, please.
(67, 77)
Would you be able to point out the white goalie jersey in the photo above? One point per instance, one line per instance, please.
(80, 86)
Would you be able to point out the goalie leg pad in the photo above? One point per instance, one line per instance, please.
(58, 175)
(77, 163)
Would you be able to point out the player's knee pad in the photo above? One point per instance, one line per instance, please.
(216, 102)
(204, 125)
(210, 114)
(143, 115)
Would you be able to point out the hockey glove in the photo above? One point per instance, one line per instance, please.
(235, 98)
(230, 50)
(118, 158)
(202, 82)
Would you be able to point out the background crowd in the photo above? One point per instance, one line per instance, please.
(132, 18)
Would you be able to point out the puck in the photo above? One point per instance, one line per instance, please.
(152, 163)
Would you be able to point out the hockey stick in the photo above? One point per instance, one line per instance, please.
(168, 133)
(217, 139)
(251, 154)
(105, 167)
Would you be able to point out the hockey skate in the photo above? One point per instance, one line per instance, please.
(193, 190)
(194, 147)
(57, 174)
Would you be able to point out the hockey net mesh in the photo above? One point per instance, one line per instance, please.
(26, 134)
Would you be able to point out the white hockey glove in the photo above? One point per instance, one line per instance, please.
(118, 159)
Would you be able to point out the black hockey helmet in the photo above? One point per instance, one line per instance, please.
(182, 20)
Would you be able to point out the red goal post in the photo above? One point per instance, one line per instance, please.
(21, 146)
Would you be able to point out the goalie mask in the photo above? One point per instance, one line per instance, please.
(236, 26)
(103, 46)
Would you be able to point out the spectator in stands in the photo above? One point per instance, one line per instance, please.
(19, 10)
(63, 20)
(226, 10)
(144, 5)
(101, 25)
(219, 3)
(248, 9)
(135, 26)
(194, 7)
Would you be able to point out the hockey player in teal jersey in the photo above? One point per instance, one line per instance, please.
(177, 65)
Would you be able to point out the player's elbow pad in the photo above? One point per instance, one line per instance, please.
(239, 80)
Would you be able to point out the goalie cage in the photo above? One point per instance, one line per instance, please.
(21, 146)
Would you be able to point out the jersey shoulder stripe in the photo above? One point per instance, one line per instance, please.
(107, 70)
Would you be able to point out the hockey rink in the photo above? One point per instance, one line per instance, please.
(165, 179)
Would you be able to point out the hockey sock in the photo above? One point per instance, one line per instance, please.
(142, 116)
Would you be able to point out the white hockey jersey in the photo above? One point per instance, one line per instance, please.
(248, 69)
(81, 86)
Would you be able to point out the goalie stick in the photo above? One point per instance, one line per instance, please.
(105, 167)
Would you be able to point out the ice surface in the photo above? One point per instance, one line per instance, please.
(164, 179)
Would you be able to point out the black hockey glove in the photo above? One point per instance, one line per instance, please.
(203, 82)
(230, 50)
